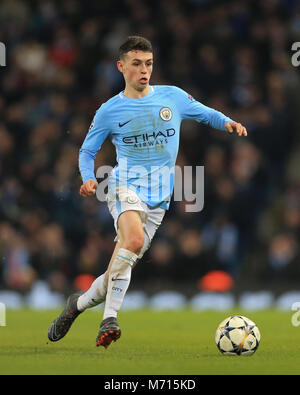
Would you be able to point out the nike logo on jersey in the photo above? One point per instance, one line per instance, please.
(123, 124)
(121, 279)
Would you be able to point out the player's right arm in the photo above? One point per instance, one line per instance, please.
(94, 139)
(88, 188)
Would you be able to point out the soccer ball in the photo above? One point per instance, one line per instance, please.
(237, 335)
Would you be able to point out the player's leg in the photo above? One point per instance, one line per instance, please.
(109, 329)
(131, 241)
(77, 303)
(96, 294)
(130, 237)
(61, 325)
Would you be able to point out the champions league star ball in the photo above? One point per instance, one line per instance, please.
(237, 335)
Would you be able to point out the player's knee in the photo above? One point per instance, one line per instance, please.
(135, 243)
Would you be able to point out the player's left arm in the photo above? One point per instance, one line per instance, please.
(193, 109)
(236, 127)
(217, 119)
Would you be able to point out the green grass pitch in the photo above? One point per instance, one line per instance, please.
(152, 343)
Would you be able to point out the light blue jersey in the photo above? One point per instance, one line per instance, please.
(146, 135)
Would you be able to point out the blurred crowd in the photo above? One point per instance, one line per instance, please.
(234, 56)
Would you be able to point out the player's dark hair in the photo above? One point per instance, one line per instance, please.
(135, 43)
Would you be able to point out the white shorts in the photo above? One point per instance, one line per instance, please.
(151, 217)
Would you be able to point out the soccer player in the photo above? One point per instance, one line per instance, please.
(143, 122)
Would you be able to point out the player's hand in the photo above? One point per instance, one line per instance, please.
(235, 127)
(88, 188)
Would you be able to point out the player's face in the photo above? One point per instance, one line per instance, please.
(137, 68)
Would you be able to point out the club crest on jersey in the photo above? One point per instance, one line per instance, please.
(165, 114)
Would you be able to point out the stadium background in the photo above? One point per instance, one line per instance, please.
(233, 56)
